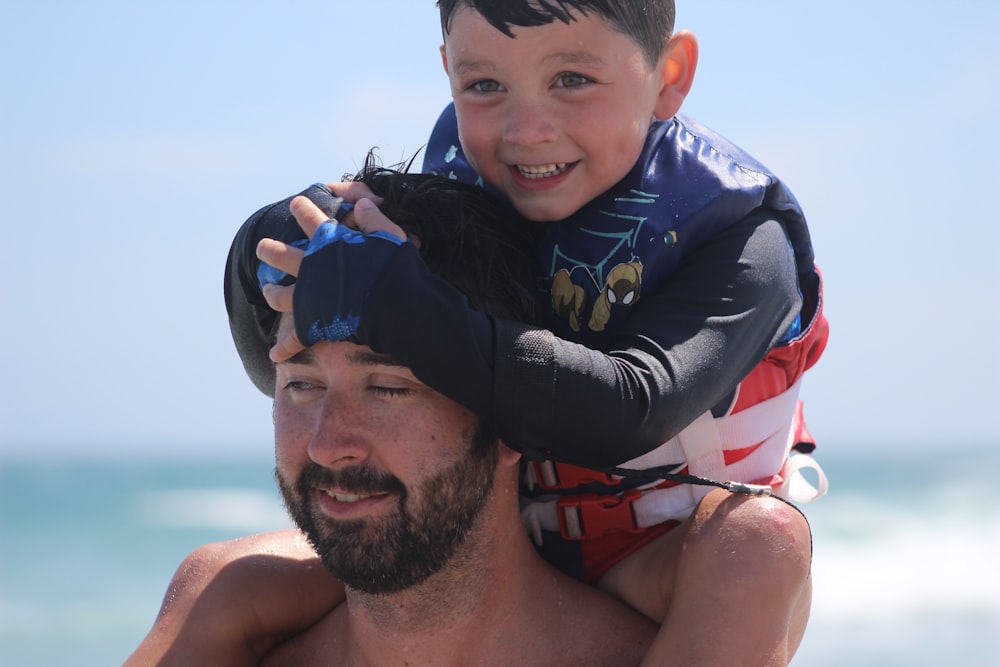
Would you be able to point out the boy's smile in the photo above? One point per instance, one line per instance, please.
(555, 116)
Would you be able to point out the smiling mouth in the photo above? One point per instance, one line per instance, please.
(532, 172)
(351, 497)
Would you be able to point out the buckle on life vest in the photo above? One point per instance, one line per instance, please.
(588, 516)
(554, 476)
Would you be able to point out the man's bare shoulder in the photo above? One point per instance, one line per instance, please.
(233, 600)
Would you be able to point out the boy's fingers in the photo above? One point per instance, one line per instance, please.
(368, 219)
(353, 191)
(286, 347)
(307, 214)
(281, 255)
(279, 297)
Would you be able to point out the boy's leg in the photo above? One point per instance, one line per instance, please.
(731, 586)
(230, 602)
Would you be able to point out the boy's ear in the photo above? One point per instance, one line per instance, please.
(444, 59)
(679, 64)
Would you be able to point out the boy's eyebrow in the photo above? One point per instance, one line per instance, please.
(575, 57)
(462, 66)
(561, 58)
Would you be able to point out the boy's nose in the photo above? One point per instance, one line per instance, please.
(528, 122)
(338, 439)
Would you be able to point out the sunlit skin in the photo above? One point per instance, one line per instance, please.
(559, 114)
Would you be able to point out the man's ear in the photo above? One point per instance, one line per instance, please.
(680, 60)
(508, 457)
(444, 59)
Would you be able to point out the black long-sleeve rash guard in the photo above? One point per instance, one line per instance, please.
(681, 352)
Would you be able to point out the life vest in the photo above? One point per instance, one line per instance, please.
(688, 185)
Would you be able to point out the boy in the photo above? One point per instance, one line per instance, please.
(694, 322)
(678, 266)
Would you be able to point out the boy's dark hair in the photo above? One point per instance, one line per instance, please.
(464, 235)
(649, 23)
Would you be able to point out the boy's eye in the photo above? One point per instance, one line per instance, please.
(572, 80)
(485, 86)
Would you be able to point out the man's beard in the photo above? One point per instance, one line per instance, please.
(395, 552)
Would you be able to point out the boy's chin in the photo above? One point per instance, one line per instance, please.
(542, 212)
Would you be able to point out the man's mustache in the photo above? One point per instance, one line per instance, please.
(360, 479)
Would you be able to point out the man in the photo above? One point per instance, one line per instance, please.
(409, 499)
(411, 502)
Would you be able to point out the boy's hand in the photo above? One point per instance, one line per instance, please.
(344, 260)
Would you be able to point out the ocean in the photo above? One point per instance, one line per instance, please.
(905, 554)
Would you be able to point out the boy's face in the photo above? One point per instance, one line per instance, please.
(555, 116)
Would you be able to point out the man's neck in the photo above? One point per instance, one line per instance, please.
(446, 599)
(449, 617)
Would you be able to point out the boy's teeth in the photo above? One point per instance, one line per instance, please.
(541, 170)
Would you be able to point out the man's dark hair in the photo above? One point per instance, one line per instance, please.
(649, 23)
(464, 234)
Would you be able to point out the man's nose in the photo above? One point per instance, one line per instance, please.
(528, 122)
(339, 439)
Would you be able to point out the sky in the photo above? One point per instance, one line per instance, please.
(135, 138)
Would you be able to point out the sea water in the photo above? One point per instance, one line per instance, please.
(905, 554)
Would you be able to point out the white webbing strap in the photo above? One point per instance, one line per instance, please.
(537, 516)
(761, 421)
(768, 424)
(702, 446)
(736, 431)
(795, 486)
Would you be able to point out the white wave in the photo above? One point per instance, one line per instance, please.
(930, 554)
(223, 508)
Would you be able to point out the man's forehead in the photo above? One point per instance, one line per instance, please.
(357, 354)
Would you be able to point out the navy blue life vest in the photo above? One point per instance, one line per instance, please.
(688, 184)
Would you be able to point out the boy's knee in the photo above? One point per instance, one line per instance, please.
(759, 535)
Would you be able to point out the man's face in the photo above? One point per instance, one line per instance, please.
(386, 476)
(555, 116)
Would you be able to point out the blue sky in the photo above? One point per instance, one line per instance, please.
(136, 136)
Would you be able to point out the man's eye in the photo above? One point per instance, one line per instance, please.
(389, 392)
(299, 386)
(485, 86)
(572, 80)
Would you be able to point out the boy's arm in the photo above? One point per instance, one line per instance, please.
(231, 602)
(682, 350)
